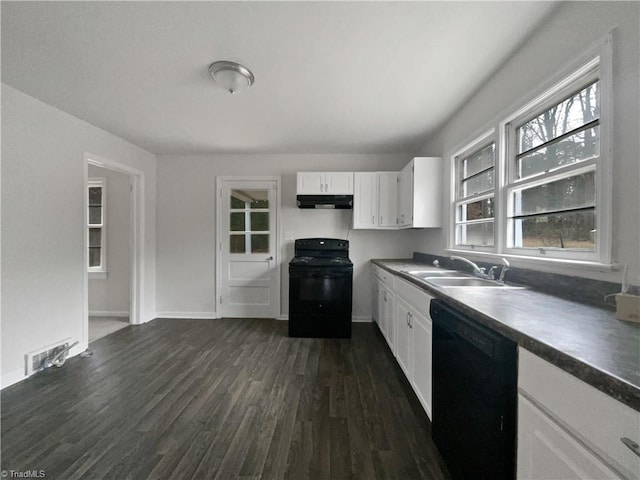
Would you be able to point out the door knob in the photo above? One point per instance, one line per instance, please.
(269, 259)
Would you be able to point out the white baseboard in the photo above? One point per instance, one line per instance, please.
(10, 378)
(107, 313)
(188, 315)
(283, 317)
(16, 376)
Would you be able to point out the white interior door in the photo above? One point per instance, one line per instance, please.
(249, 273)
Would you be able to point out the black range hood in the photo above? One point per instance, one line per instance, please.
(325, 201)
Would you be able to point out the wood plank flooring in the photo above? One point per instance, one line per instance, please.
(231, 398)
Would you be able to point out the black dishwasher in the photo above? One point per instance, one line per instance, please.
(474, 396)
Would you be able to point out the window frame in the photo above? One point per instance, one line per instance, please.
(475, 146)
(595, 63)
(249, 232)
(101, 182)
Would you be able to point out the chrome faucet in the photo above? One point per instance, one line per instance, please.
(505, 267)
(477, 271)
(481, 273)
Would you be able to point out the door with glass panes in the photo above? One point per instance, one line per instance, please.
(248, 274)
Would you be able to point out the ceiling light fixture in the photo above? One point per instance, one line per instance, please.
(231, 76)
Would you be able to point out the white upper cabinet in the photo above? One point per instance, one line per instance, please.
(420, 193)
(325, 183)
(375, 197)
(388, 199)
(365, 200)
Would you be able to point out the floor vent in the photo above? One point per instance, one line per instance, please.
(33, 360)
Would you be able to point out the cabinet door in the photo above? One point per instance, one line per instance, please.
(547, 451)
(365, 200)
(390, 333)
(421, 333)
(388, 199)
(405, 196)
(427, 192)
(338, 183)
(375, 310)
(403, 336)
(310, 183)
(383, 298)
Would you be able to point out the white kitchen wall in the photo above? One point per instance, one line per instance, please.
(110, 295)
(570, 32)
(43, 224)
(187, 222)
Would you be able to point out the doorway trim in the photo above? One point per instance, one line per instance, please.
(136, 239)
(218, 246)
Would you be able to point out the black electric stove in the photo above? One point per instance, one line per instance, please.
(320, 289)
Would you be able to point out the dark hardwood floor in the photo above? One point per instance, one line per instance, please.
(203, 399)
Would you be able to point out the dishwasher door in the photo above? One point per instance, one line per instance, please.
(474, 396)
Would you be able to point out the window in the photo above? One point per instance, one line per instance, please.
(475, 196)
(249, 221)
(543, 190)
(96, 224)
(554, 165)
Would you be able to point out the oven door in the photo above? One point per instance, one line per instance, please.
(320, 290)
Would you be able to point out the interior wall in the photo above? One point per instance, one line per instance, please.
(187, 225)
(569, 33)
(43, 224)
(110, 296)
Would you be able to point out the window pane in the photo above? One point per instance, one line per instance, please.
(573, 192)
(253, 198)
(236, 202)
(259, 221)
(95, 215)
(259, 243)
(477, 162)
(94, 256)
(581, 146)
(575, 230)
(237, 244)
(476, 210)
(480, 234)
(479, 184)
(95, 237)
(95, 195)
(237, 222)
(568, 115)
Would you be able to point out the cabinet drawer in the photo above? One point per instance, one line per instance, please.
(387, 279)
(595, 419)
(415, 297)
(377, 271)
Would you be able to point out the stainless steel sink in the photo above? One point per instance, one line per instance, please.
(465, 282)
(422, 274)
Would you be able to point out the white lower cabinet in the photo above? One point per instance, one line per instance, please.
(568, 429)
(384, 305)
(547, 451)
(387, 312)
(413, 339)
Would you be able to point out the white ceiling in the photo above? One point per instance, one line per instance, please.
(331, 77)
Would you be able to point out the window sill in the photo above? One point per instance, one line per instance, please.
(532, 262)
(98, 275)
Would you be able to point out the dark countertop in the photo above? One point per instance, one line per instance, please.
(588, 342)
